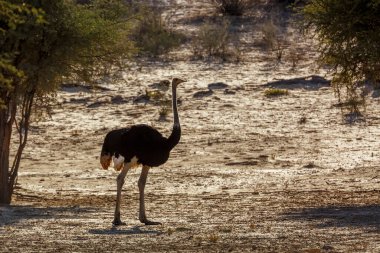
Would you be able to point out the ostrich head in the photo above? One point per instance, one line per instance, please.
(105, 160)
(177, 81)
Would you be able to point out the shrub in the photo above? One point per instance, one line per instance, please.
(163, 112)
(215, 40)
(348, 32)
(274, 38)
(232, 7)
(270, 33)
(153, 36)
(295, 55)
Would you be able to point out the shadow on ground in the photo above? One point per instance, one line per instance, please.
(13, 214)
(365, 217)
(312, 82)
(116, 231)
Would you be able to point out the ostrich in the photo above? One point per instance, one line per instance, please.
(135, 145)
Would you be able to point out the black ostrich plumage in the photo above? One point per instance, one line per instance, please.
(141, 141)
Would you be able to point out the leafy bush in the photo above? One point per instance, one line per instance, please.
(233, 7)
(153, 36)
(349, 33)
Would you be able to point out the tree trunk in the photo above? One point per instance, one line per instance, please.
(5, 137)
(23, 130)
(9, 172)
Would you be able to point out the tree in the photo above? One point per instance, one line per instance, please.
(348, 32)
(42, 43)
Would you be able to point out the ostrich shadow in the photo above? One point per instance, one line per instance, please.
(366, 217)
(135, 230)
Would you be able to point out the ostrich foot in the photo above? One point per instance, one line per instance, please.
(149, 222)
(118, 222)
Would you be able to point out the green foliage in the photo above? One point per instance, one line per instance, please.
(153, 36)
(349, 34)
(12, 16)
(65, 40)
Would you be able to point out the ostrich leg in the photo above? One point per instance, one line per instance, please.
(141, 183)
(120, 182)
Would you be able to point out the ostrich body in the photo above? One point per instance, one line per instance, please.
(135, 145)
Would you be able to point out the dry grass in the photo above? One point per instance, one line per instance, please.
(275, 92)
(164, 111)
(154, 95)
(213, 238)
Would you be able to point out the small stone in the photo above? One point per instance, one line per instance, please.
(217, 86)
(202, 93)
(229, 92)
(117, 99)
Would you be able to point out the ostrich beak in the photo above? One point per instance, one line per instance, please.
(105, 161)
(181, 81)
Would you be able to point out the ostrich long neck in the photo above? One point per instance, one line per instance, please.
(176, 132)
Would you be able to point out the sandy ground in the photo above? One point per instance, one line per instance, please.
(251, 173)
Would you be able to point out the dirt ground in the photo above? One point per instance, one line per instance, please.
(251, 173)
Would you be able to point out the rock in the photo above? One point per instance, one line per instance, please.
(118, 99)
(96, 104)
(77, 87)
(162, 85)
(327, 248)
(203, 93)
(141, 99)
(79, 100)
(217, 86)
(310, 165)
(229, 92)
